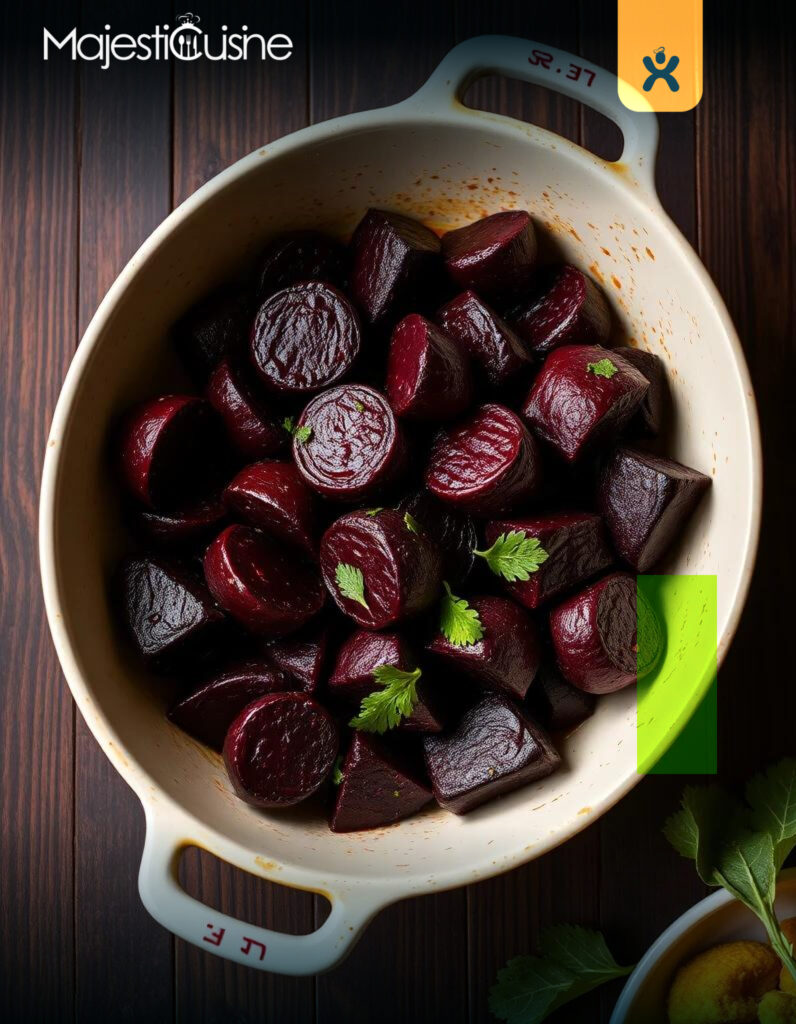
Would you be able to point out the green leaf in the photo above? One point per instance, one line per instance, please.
(582, 951)
(459, 622)
(383, 709)
(374, 511)
(603, 368)
(351, 583)
(411, 523)
(514, 556)
(681, 831)
(289, 424)
(527, 989)
(337, 771)
(359, 407)
(772, 797)
(301, 434)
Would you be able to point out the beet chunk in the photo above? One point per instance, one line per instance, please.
(495, 749)
(568, 309)
(584, 396)
(428, 375)
(183, 528)
(491, 343)
(555, 704)
(495, 256)
(303, 657)
(378, 787)
(454, 535)
(576, 548)
(299, 256)
(273, 497)
(356, 450)
(280, 749)
(264, 587)
(253, 430)
(508, 654)
(396, 264)
(646, 500)
(487, 465)
(400, 568)
(212, 329)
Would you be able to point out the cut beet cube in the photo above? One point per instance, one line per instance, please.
(299, 256)
(487, 465)
(378, 569)
(556, 704)
(273, 497)
(646, 500)
(576, 547)
(214, 328)
(280, 750)
(181, 529)
(489, 340)
(269, 590)
(495, 749)
(302, 657)
(428, 375)
(304, 338)
(253, 429)
(584, 396)
(652, 411)
(507, 656)
(495, 256)
(379, 786)
(568, 309)
(396, 264)
(453, 534)
(355, 450)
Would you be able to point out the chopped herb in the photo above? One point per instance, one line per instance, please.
(289, 424)
(603, 368)
(374, 511)
(359, 407)
(301, 434)
(337, 771)
(411, 523)
(459, 622)
(514, 556)
(383, 709)
(351, 583)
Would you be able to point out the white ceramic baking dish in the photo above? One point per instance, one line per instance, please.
(432, 157)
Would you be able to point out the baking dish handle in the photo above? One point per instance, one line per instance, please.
(555, 69)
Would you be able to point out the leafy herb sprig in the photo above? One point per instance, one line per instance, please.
(301, 434)
(602, 368)
(460, 624)
(514, 556)
(351, 583)
(384, 709)
(337, 771)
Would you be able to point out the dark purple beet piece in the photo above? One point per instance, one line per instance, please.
(400, 567)
(652, 411)
(265, 587)
(214, 328)
(645, 500)
(299, 256)
(280, 749)
(568, 309)
(454, 535)
(303, 657)
(494, 256)
(428, 375)
(273, 497)
(492, 344)
(506, 657)
(379, 787)
(583, 396)
(558, 706)
(396, 264)
(576, 547)
(356, 450)
(181, 529)
(495, 749)
(487, 465)
(253, 430)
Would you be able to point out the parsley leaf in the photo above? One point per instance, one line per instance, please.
(351, 583)
(301, 434)
(289, 424)
(383, 709)
(459, 622)
(337, 771)
(772, 797)
(411, 523)
(514, 556)
(603, 368)
(359, 407)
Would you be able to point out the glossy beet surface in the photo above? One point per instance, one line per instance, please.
(428, 375)
(303, 657)
(401, 568)
(357, 450)
(454, 534)
(280, 749)
(252, 428)
(558, 706)
(263, 585)
(214, 328)
(491, 343)
(183, 528)
(575, 406)
(494, 749)
(568, 308)
(379, 786)
(273, 497)
(486, 465)
(300, 256)
(304, 338)
(646, 500)
(494, 256)
(652, 412)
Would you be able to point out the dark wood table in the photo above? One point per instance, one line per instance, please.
(91, 161)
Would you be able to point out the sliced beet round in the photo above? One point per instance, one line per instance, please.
(280, 750)
(396, 263)
(491, 343)
(380, 785)
(378, 569)
(567, 309)
(212, 329)
(267, 588)
(496, 748)
(356, 449)
(428, 375)
(652, 411)
(183, 528)
(303, 657)
(487, 465)
(508, 654)
(557, 705)
(646, 500)
(253, 429)
(304, 338)
(299, 256)
(273, 497)
(452, 533)
(494, 256)
(583, 396)
(576, 548)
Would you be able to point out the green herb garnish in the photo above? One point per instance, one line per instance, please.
(603, 368)
(411, 523)
(337, 771)
(383, 709)
(301, 434)
(459, 622)
(289, 424)
(374, 511)
(359, 407)
(351, 583)
(514, 556)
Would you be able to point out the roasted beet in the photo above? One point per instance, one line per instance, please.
(273, 497)
(567, 309)
(299, 256)
(302, 657)
(355, 450)
(378, 787)
(652, 411)
(214, 328)
(452, 533)
(487, 465)
(397, 569)
(181, 529)
(584, 396)
(556, 704)
(280, 749)
(495, 256)
(492, 344)
(507, 655)
(396, 264)
(253, 429)
(646, 500)
(267, 588)
(576, 547)
(495, 749)
(428, 375)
